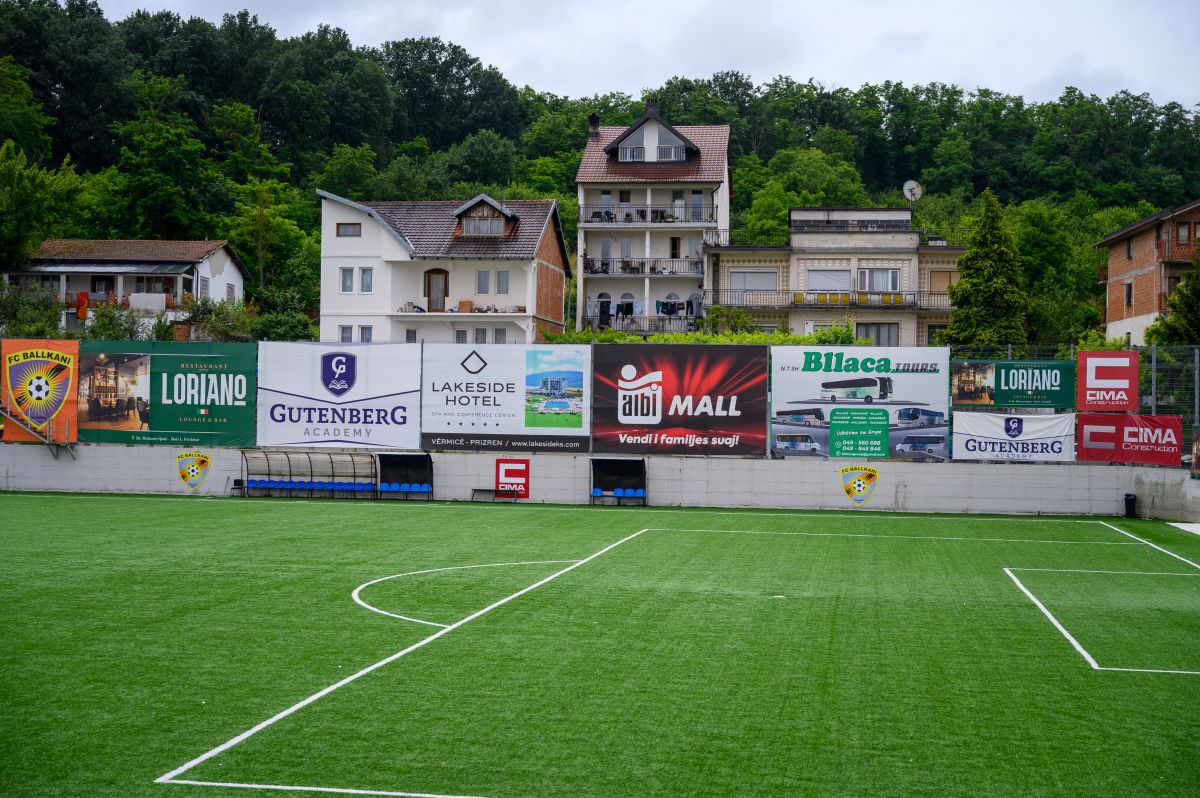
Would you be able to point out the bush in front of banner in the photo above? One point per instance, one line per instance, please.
(366, 395)
(506, 397)
(860, 401)
(168, 393)
(1120, 438)
(704, 399)
(1018, 438)
(38, 378)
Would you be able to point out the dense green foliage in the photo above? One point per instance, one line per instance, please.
(184, 128)
(1181, 323)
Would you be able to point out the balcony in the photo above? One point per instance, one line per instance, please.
(753, 298)
(745, 239)
(677, 213)
(1174, 251)
(627, 267)
(641, 325)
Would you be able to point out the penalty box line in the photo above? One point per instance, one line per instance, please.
(172, 776)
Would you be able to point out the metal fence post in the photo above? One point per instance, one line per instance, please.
(1196, 386)
(1154, 379)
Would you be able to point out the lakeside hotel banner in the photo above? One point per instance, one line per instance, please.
(860, 401)
(340, 395)
(680, 399)
(994, 436)
(167, 393)
(506, 397)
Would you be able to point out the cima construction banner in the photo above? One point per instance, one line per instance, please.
(340, 395)
(167, 393)
(860, 401)
(1121, 438)
(37, 386)
(680, 399)
(993, 436)
(503, 397)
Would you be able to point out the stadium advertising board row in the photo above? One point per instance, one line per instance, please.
(1108, 381)
(1066, 437)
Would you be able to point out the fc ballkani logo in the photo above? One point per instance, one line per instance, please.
(859, 483)
(39, 382)
(193, 468)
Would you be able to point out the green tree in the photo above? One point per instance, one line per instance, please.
(767, 216)
(990, 304)
(817, 178)
(348, 172)
(34, 203)
(29, 312)
(239, 149)
(112, 323)
(1181, 323)
(21, 117)
(282, 326)
(483, 157)
(953, 167)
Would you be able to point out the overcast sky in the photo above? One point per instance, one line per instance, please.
(584, 47)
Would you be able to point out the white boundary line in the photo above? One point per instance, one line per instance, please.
(1061, 629)
(168, 778)
(1148, 543)
(358, 600)
(334, 790)
(896, 537)
(1090, 571)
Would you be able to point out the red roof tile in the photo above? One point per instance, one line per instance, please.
(710, 167)
(61, 249)
(430, 227)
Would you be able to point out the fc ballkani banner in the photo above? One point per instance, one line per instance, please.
(339, 395)
(994, 436)
(1013, 383)
(859, 401)
(680, 399)
(38, 380)
(1120, 438)
(167, 393)
(506, 397)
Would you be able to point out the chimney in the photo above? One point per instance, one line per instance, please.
(593, 126)
(652, 105)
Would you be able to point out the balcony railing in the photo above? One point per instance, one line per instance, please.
(753, 298)
(633, 154)
(1171, 250)
(670, 152)
(642, 325)
(624, 267)
(745, 238)
(678, 213)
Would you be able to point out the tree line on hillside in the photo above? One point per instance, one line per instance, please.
(157, 126)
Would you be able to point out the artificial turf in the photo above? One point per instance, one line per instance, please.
(718, 653)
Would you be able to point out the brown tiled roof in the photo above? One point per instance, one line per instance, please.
(66, 249)
(710, 167)
(430, 228)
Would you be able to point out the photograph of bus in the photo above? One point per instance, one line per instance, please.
(799, 443)
(805, 416)
(928, 445)
(867, 389)
(920, 417)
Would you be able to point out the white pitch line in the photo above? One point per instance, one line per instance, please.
(358, 600)
(897, 537)
(334, 790)
(1151, 545)
(1150, 670)
(1090, 571)
(1062, 630)
(167, 778)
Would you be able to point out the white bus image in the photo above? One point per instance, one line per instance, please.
(920, 417)
(800, 443)
(868, 389)
(928, 445)
(806, 416)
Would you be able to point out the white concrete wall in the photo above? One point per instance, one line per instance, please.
(795, 483)
(1134, 326)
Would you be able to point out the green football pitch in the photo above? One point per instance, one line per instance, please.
(158, 646)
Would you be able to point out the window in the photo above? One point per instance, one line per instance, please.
(364, 334)
(366, 280)
(1158, 233)
(410, 336)
(499, 336)
(626, 247)
(697, 206)
(940, 281)
(347, 281)
(460, 336)
(1182, 234)
(502, 281)
(880, 334)
(878, 279)
(349, 230)
(483, 226)
(102, 285)
(1128, 295)
(828, 279)
(481, 335)
(931, 333)
(203, 293)
(763, 280)
(481, 281)
(230, 292)
(676, 242)
(1129, 248)
(437, 287)
(346, 334)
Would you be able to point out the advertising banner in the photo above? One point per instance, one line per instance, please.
(38, 379)
(1107, 381)
(339, 395)
(860, 401)
(167, 393)
(1013, 383)
(994, 436)
(506, 397)
(512, 478)
(1119, 438)
(680, 399)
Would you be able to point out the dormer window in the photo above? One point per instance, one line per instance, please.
(632, 154)
(483, 226)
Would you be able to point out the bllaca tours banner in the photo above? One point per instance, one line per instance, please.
(506, 397)
(860, 401)
(339, 395)
(993, 436)
(680, 399)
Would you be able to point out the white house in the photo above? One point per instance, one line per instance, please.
(648, 195)
(442, 271)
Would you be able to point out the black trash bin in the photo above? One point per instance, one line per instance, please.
(1131, 505)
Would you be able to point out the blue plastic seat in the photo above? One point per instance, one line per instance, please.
(427, 488)
(395, 488)
(619, 492)
(384, 487)
(640, 493)
(404, 486)
(597, 492)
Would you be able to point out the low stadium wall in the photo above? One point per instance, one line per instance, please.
(793, 483)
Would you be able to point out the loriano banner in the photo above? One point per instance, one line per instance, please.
(37, 385)
(1013, 383)
(167, 393)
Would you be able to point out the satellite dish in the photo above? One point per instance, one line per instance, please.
(912, 190)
